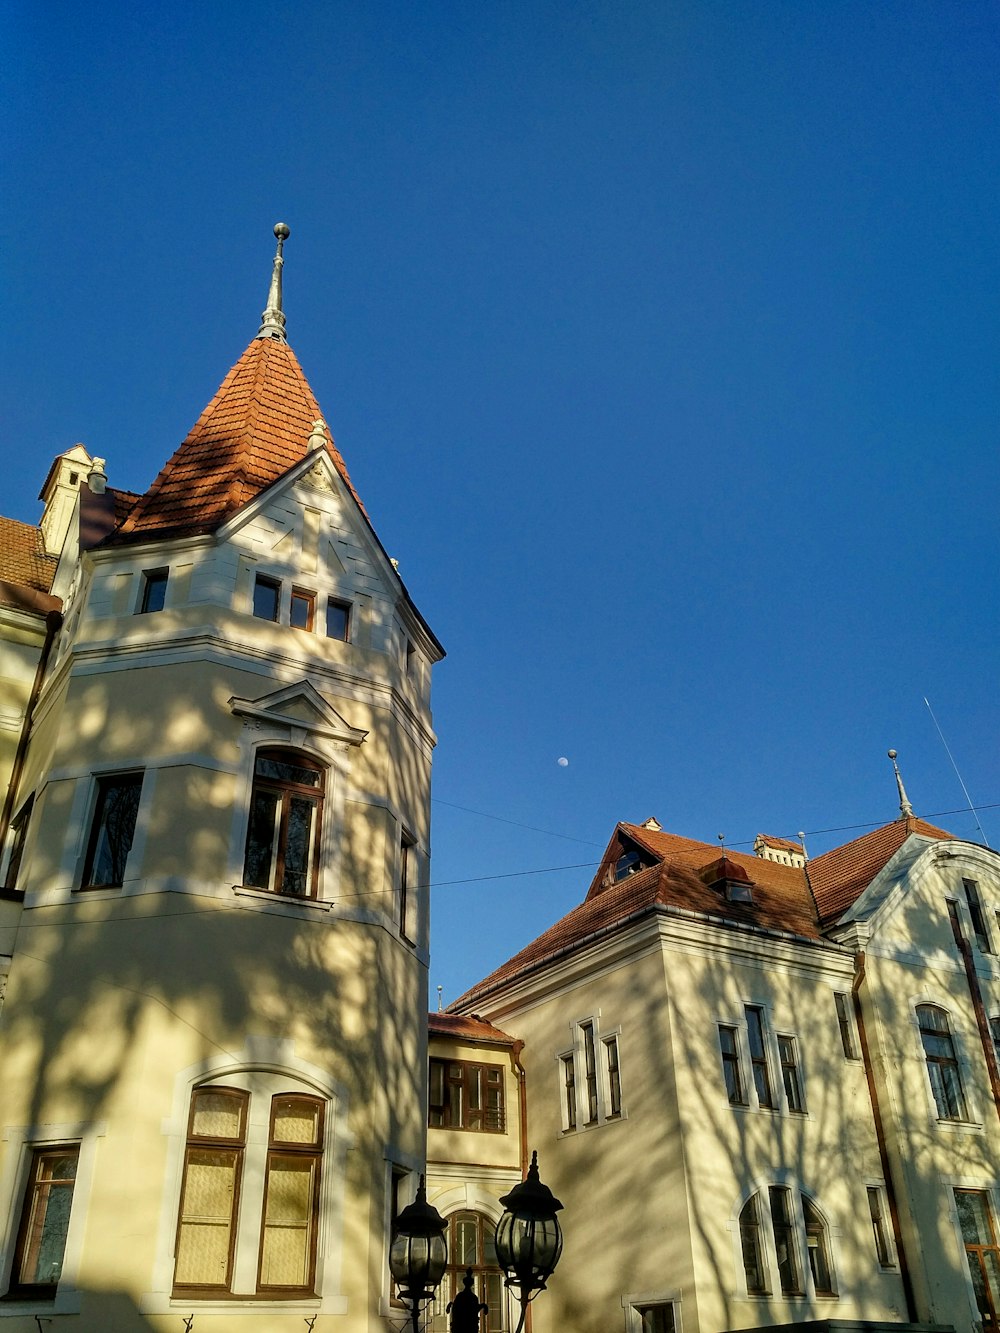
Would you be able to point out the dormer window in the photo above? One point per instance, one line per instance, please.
(627, 864)
(729, 879)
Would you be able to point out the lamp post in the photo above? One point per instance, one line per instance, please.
(529, 1238)
(418, 1253)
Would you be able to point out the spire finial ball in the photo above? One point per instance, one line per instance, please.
(892, 754)
(282, 231)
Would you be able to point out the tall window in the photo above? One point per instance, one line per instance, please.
(784, 1238)
(880, 1228)
(752, 1244)
(19, 829)
(471, 1245)
(846, 1027)
(41, 1239)
(975, 1217)
(942, 1063)
(817, 1249)
(153, 596)
(407, 862)
(977, 915)
(790, 1078)
(590, 1071)
(569, 1090)
(112, 830)
(283, 834)
(732, 1066)
(758, 1055)
(260, 1188)
(591, 1077)
(464, 1095)
(799, 1235)
(614, 1077)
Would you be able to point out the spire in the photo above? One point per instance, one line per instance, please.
(905, 808)
(273, 318)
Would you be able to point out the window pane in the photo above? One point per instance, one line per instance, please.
(784, 1240)
(753, 1256)
(844, 1021)
(113, 830)
(337, 620)
(47, 1222)
(260, 839)
(301, 610)
(817, 1248)
(466, 1242)
(206, 1218)
(758, 1055)
(298, 846)
(154, 590)
(286, 1245)
(296, 1120)
(656, 1318)
(218, 1115)
(283, 770)
(265, 598)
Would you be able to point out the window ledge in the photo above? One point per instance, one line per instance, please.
(285, 903)
(959, 1126)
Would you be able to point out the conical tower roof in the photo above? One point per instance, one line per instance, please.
(255, 428)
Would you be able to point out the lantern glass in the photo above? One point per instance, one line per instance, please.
(418, 1262)
(528, 1249)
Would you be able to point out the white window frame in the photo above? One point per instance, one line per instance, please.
(23, 1141)
(772, 1055)
(877, 1184)
(961, 1040)
(262, 1062)
(774, 1294)
(576, 1053)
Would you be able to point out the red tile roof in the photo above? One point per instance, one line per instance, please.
(466, 1027)
(783, 897)
(255, 428)
(26, 572)
(839, 876)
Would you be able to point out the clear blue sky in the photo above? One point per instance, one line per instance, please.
(661, 340)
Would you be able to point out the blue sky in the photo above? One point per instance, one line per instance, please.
(661, 341)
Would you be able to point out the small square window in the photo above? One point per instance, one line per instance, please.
(303, 609)
(154, 590)
(266, 595)
(338, 620)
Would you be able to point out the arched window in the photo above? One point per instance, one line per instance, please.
(283, 837)
(250, 1194)
(782, 1229)
(942, 1062)
(471, 1245)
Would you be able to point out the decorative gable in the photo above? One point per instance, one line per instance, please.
(302, 711)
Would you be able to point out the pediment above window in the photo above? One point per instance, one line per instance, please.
(302, 708)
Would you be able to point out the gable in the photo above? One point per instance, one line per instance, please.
(301, 708)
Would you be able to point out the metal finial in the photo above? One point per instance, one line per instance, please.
(440, 1001)
(905, 808)
(273, 319)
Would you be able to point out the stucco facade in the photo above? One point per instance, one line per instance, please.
(740, 1118)
(214, 927)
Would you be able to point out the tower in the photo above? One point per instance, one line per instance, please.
(212, 1044)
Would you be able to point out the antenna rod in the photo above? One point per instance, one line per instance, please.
(958, 775)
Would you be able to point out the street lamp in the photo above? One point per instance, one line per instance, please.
(529, 1238)
(418, 1254)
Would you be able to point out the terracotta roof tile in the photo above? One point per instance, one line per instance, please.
(784, 899)
(839, 876)
(26, 572)
(255, 428)
(466, 1027)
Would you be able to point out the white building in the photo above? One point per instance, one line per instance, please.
(766, 1090)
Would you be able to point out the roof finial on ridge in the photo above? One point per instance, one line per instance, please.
(905, 808)
(273, 318)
